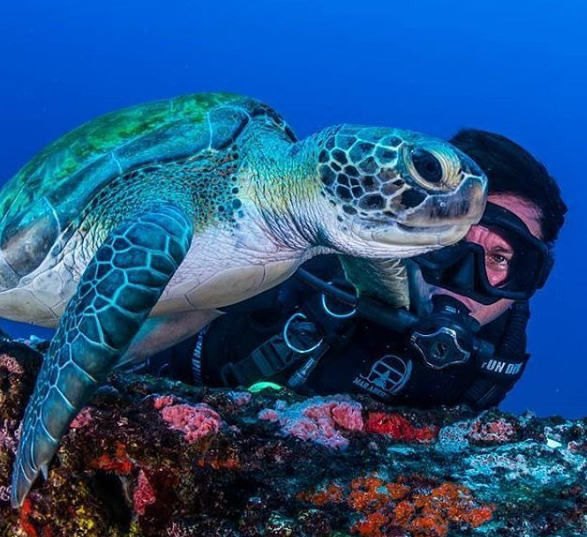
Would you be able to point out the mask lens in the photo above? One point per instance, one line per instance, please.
(499, 254)
(511, 263)
(499, 258)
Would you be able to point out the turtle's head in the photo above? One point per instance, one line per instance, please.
(395, 193)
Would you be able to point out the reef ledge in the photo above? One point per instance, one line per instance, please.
(152, 457)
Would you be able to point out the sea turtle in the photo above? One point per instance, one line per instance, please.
(132, 231)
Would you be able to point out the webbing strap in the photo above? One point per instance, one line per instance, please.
(274, 356)
(265, 362)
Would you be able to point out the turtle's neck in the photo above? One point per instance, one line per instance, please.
(284, 186)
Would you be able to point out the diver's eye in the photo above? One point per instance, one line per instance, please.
(428, 166)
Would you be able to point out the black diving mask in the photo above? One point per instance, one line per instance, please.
(461, 268)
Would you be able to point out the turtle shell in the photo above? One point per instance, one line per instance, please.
(42, 200)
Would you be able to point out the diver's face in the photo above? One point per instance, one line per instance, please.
(498, 253)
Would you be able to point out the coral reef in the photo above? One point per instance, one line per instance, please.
(151, 457)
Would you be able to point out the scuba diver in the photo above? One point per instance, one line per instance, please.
(462, 340)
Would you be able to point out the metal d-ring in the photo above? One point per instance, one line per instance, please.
(336, 315)
(290, 344)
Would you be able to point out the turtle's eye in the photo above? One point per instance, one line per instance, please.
(427, 166)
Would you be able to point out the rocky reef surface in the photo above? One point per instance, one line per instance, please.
(150, 457)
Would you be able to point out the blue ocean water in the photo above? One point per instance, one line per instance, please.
(518, 68)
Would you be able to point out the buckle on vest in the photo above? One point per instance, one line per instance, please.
(288, 342)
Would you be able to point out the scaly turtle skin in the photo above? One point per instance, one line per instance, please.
(129, 233)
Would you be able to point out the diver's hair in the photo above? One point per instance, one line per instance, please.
(512, 169)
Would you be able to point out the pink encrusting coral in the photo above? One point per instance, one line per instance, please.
(194, 421)
(82, 419)
(10, 364)
(240, 398)
(498, 431)
(319, 419)
(144, 494)
(160, 401)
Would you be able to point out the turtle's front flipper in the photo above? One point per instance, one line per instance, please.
(385, 279)
(115, 295)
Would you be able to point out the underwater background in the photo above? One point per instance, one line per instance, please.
(517, 68)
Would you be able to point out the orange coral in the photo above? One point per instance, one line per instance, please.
(371, 525)
(445, 504)
(365, 494)
(478, 517)
(397, 491)
(333, 493)
(428, 526)
(418, 505)
(120, 463)
(403, 513)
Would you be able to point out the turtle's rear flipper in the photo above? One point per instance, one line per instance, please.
(115, 295)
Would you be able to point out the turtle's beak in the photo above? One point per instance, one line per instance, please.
(462, 207)
(441, 220)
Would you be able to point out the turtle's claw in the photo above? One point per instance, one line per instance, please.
(36, 448)
(21, 485)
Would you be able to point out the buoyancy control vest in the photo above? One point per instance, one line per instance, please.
(297, 336)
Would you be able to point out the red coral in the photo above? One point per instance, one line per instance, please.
(399, 428)
(144, 494)
(478, 517)
(227, 457)
(195, 422)
(428, 526)
(26, 512)
(403, 512)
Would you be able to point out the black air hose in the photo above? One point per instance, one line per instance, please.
(514, 340)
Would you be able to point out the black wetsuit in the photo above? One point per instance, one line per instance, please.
(363, 357)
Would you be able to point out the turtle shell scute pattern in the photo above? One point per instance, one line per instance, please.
(74, 169)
